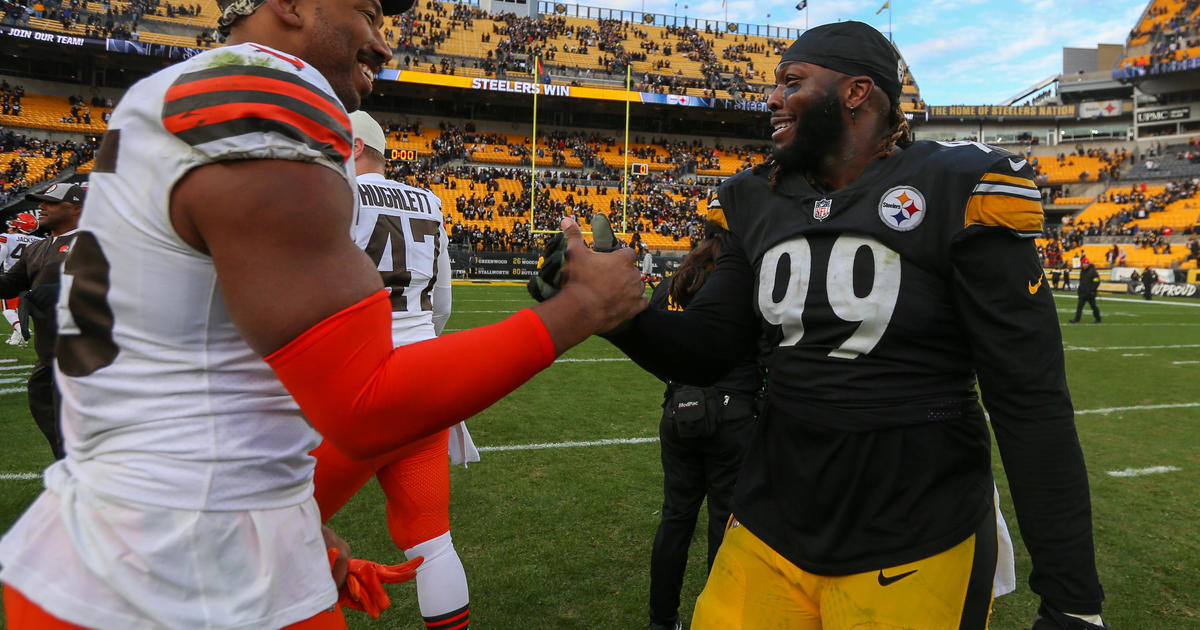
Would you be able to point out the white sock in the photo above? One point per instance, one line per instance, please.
(11, 316)
(441, 580)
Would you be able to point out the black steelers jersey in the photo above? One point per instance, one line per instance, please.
(883, 303)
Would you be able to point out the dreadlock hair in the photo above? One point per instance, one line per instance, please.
(694, 269)
(900, 133)
(773, 176)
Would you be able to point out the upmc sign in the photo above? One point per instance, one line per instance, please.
(1163, 115)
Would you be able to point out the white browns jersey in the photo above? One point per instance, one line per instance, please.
(164, 405)
(401, 229)
(12, 246)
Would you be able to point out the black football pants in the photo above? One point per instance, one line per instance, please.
(692, 469)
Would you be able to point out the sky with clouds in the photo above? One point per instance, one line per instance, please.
(974, 52)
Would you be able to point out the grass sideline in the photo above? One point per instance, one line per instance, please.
(559, 538)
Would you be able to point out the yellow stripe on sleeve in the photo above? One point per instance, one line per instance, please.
(1015, 213)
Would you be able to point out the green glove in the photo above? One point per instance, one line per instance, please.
(548, 280)
(603, 237)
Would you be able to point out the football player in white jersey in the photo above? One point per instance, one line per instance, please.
(185, 498)
(12, 246)
(402, 231)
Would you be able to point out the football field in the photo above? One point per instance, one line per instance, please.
(555, 524)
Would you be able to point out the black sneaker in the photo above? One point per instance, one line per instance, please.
(678, 625)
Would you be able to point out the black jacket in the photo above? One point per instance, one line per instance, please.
(1089, 281)
(40, 266)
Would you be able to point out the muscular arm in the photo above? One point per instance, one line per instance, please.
(703, 342)
(314, 304)
(1017, 352)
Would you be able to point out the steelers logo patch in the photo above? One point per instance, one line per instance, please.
(902, 208)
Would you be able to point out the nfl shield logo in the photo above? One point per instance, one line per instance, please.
(822, 209)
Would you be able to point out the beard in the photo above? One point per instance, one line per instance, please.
(818, 131)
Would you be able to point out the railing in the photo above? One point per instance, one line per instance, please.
(549, 7)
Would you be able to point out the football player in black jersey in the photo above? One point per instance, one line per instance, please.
(889, 277)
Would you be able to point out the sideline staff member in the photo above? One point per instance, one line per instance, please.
(703, 436)
(1089, 283)
(37, 272)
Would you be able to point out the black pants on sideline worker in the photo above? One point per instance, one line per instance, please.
(695, 466)
(1086, 299)
(43, 405)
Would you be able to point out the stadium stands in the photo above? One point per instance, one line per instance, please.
(54, 113)
(461, 39)
(1166, 32)
(1175, 161)
(1090, 165)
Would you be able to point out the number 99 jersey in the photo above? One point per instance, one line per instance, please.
(871, 369)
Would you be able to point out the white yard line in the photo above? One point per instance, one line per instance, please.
(26, 366)
(9, 381)
(1137, 472)
(1108, 324)
(597, 360)
(8, 360)
(1184, 362)
(646, 440)
(12, 390)
(548, 445)
(1097, 348)
(1083, 412)
(1105, 298)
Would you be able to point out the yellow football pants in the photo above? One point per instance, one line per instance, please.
(751, 587)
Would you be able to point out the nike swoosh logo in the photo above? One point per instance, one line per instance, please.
(885, 580)
(1033, 288)
(1016, 164)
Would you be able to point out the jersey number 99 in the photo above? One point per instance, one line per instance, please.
(873, 311)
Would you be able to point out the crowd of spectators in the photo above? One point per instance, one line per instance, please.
(10, 98)
(1142, 205)
(1174, 39)
(1109, 170)
(15, 177)
(514, 43)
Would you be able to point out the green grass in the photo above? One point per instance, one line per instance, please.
(560, 537)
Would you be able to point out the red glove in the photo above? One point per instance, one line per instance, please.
(364, 583)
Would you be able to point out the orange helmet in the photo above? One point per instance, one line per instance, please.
(26, 222)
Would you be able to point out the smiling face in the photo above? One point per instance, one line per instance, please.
(806, 114)
(59, 217)
(346, 45)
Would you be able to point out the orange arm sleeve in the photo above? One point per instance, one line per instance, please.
(368, 398)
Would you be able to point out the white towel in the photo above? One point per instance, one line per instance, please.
(1006, 568)
(463, 451)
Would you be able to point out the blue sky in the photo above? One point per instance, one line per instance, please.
(974, 52)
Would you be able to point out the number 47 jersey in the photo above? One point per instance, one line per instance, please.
(401, 229)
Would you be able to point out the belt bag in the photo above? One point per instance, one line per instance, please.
(689, 410)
